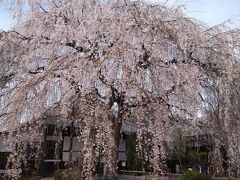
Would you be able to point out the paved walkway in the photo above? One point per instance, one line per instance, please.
(147, 177)
(125, 177)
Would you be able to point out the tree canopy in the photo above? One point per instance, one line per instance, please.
(102, 65)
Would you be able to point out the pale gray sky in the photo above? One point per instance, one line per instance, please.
(4, 18)
(211, 12)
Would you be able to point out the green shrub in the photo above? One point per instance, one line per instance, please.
(193, 175)
(71, 174)
(35, 178)
(232, 178)
(27, 178)
(188, 175)
(58, 174)
(203, 177)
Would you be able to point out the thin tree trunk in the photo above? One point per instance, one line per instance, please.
(71, 144)
(116, 133)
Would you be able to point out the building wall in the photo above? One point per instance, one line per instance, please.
(3, 156)
(2, 147)
(77, 147)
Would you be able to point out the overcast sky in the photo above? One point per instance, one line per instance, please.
(211, 12)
